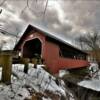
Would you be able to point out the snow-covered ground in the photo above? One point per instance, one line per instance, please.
(63, 72)
(94, 81)
(0, 73)
(24, 85)
(39, 79)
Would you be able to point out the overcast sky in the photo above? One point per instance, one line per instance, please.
(64, 18)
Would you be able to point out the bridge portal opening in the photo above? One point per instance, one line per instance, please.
(32, 48)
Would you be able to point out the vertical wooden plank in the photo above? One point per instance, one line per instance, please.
(6, 63)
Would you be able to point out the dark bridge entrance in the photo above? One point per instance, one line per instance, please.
(32, 48)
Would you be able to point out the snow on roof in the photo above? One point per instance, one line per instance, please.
(30, 27)
(93, 84)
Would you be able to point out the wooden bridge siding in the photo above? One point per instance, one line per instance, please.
(35, 35)
(67, 63)
(51, 56)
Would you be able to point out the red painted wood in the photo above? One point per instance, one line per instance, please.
(50, 54)
(67, 63)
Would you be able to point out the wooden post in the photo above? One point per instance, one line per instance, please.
(25, 61)
(6, 63)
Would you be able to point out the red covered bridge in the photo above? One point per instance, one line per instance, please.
(57, 54)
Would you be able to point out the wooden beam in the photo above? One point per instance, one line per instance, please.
(6, 63)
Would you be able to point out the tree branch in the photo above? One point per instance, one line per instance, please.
(2, 2)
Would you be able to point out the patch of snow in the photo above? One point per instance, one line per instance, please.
(93, 67)
(19, 67)
(41, 80)
(91, 84)
(0, 73)
(30, 65)
(71, 98)
(63, 72)
(37, 79)
(46, 98)
(94, 82)
(13, 93)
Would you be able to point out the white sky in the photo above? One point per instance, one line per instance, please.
(65, 18)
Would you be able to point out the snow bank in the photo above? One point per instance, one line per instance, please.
(91, 84)
(93, 67)
(24, 85)
(39, 79)
(13, 92)
(46, 98)
(0, 73)
(63, 72)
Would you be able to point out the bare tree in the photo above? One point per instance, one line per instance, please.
(28, 6)
(90, 41)
(2, 2)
